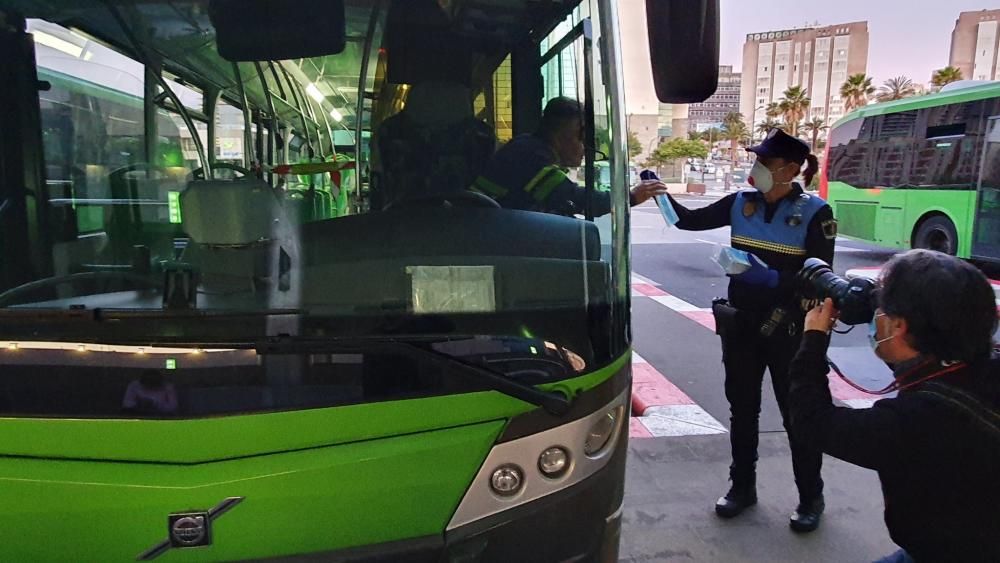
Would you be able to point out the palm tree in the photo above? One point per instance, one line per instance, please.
(815, 127)
(764, 127)
(735, 130)
(773, 110)
(896, 89)
(856, 91)
(794, 106)
(946, 75)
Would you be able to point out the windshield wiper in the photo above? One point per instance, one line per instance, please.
(553, 402)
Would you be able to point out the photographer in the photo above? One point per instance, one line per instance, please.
(936, 446)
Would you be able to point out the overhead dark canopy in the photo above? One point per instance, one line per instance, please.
(181, 34)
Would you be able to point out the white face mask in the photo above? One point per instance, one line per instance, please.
(761, 178)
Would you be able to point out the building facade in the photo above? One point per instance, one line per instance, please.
(641, 103)
(724, 101)
(975, 43)
(818, 59)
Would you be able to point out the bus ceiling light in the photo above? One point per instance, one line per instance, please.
(81, 348)
(314, 93)
(336, 115)
(553, 462)
(12, 346)
(507, 480)
(601, 432)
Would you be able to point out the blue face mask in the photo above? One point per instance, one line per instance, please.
(873, 333)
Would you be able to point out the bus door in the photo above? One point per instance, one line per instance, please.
(986, 234)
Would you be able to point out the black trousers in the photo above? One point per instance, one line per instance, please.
(745, 354)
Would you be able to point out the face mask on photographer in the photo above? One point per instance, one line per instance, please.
(873, 338)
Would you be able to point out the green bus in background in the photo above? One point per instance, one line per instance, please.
(921, 172)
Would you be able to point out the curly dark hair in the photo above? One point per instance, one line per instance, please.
(948, 304)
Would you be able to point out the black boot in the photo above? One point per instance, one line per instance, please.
(742, 495)
(806, 517)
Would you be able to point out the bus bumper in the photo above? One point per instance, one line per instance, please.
(579, 524)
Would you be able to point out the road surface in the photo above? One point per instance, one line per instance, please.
(679, 450)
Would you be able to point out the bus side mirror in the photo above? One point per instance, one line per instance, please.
(266, 30)
(684, 49)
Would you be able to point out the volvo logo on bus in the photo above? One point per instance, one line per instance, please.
(190, 529)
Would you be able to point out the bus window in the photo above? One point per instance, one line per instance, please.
(846, 157)
(229, 127)
(190, 97)
(193, 100)
(502, 102)
(887, 161)
(92, 124)
(949, 155)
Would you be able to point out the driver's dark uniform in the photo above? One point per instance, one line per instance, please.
(524, 175)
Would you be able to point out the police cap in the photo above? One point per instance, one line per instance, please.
(778, 144)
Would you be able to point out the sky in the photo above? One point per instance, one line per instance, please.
(907, 37)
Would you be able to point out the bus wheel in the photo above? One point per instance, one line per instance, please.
(937, 233)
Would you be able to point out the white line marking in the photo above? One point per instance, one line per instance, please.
(675, 303)
(636, 278)
(680, 420)
(637, 359)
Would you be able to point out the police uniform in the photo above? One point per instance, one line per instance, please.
(524, 175)
(762, 326)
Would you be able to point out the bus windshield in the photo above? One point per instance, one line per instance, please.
(189, 203)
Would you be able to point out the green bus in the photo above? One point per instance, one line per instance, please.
(921, 172)
(209, 352)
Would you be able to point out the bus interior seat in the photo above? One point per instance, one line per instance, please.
(138, 223)
(434, 145)
(230, 223)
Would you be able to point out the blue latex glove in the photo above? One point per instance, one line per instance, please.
(758, 274)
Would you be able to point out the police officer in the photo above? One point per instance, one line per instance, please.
(529, 172)
(780, 226)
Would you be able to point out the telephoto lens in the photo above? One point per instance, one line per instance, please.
(854, 299)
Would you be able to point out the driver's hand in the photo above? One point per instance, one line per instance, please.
(646, 190)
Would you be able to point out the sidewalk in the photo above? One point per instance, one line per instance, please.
(672, 484)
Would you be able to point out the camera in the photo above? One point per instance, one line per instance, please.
(854, 299)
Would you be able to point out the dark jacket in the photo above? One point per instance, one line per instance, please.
(936, 447)
(524, 174)
(821, 235)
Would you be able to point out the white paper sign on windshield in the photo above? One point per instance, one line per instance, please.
(452, 289)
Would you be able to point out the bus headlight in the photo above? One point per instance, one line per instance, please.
(563, 456)
(600, 432)
(553, 462)
(507, 480)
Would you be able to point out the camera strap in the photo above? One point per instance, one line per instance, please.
(946, 368)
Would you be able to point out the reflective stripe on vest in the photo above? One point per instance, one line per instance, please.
(787, 231)
(541, 186)
(488, 187)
